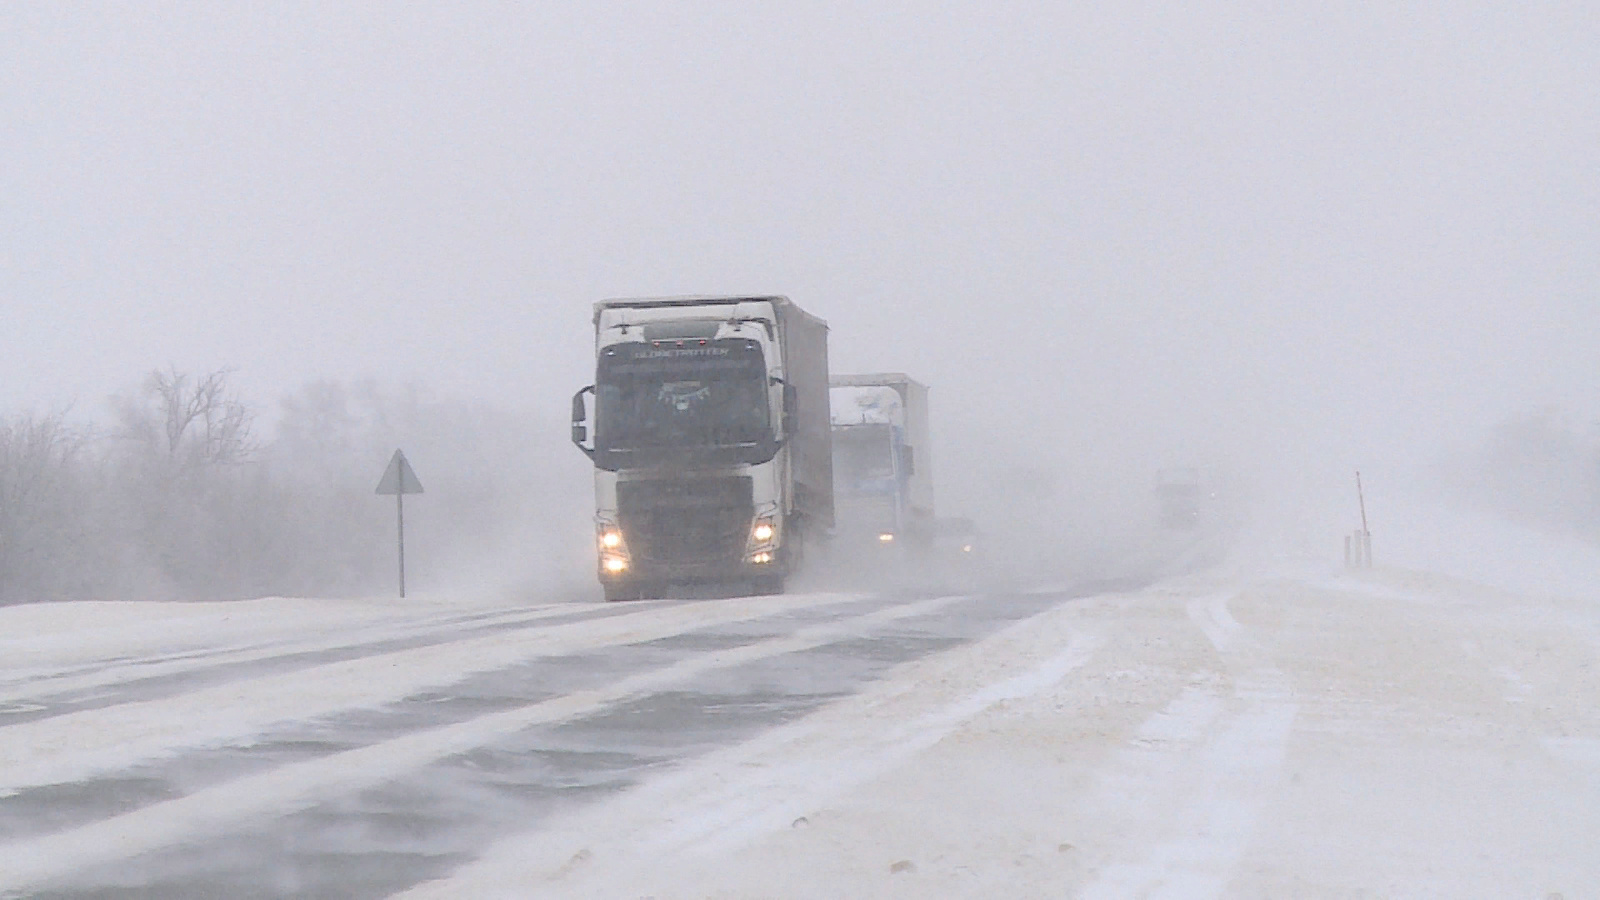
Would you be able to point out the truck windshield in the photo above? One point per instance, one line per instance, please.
(659, 400)
(862, 454)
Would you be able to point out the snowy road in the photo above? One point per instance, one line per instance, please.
(1296, 733)
(1392, 735)
(229, 754)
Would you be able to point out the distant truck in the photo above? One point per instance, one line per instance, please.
(1179, 495)
(882, 463)
(710, 441)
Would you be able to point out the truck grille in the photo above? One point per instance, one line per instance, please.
(865, 513)
(686, 521)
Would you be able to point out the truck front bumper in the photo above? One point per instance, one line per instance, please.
(641, 572)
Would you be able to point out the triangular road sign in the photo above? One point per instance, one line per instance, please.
(398, 478)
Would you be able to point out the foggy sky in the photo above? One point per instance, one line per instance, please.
(1160, 230)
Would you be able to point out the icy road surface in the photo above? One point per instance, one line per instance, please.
(1299, 734)
(341, 749)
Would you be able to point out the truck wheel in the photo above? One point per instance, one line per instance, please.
(795, 546)
(616, 592)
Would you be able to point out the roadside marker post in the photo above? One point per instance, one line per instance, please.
(399, 480)
(1358, 546)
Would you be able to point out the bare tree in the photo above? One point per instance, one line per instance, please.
(317, 427)
(37, 456)
(1540, 468)
(192, 424)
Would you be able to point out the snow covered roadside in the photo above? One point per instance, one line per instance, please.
(1397, 734)
(296, 786)
(77, 745)
(41, 640)
(172, 642)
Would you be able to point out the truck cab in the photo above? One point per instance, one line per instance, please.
(882, 465)
(710, 441)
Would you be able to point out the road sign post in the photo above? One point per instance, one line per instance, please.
(1358, 545)
(399, 480)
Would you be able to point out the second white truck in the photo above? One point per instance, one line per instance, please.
(882, 463)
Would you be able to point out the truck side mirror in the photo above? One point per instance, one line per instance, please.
(907, 461)
(580, 415)
(790, 404)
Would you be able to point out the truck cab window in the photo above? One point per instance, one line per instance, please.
(679, 405)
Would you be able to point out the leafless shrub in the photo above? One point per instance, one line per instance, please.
(1541, 469)
(192, 423)
(178, 499)
(39, 496)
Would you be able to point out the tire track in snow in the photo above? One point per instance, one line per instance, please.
(36, 811)
(99, 668)
(724, 818)
(79, 745)
(759, 787)
(147, 678)
(1201, 771)
(26, 864)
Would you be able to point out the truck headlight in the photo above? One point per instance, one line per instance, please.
(609, 536)
(886, 537)
(613, 549)
(763, 532)
(761, 558)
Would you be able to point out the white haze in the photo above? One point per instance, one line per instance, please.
(1278, 241)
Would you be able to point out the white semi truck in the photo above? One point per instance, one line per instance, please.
(883, 464)
(711, 442)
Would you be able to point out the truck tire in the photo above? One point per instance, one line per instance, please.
(795, 546)
(618, 592)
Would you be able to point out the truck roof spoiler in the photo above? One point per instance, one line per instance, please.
(784, 307)
(685, 300)
(876, 379)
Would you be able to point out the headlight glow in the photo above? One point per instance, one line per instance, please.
(761, 558)
(886, 537)
(615, 564)
(611, 540)
(763, 532)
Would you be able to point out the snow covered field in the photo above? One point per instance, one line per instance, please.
(1276, 729)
